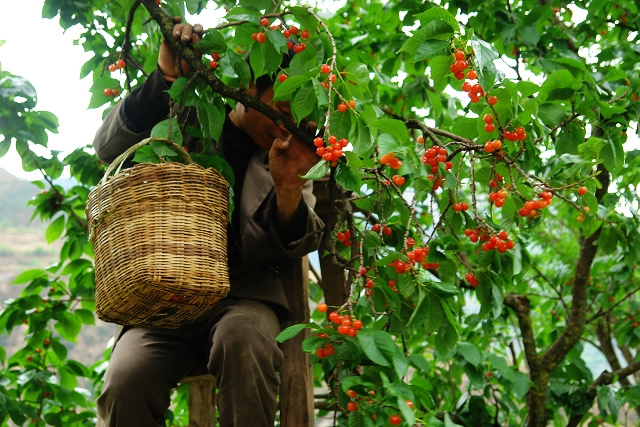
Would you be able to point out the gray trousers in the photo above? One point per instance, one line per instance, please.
(235, 342)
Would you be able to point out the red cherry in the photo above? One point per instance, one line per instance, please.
(304, 34)
(112, 67)
(108, 92)
(120, 63)
(342, 107)
(325, 68)
(261, 37)
(265, 22)
(472, 75)
(493, 100)
(322, 307)
(489, 127)
(215, 56)
(352, 406)
(299, 47)
(398, 180)
(293, 30)
(582, 191)
(213, 64)
(320, 353)
(282, 77)
(329, 350)
(352, 394)
(395, 419)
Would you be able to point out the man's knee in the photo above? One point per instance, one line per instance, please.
(248, 336)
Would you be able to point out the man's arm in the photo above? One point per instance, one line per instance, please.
(132, 119)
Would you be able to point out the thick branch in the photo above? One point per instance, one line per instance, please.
(521, 305)
(239, 95)
(578, 316)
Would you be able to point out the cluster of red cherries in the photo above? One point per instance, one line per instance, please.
(261, 36)
(499, 242)
(332, 150)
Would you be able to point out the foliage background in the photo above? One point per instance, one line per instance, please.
(572, 84)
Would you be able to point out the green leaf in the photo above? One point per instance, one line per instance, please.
(591, 148)
(240, 66)
(439, 13)
(484, 56)
(613, 156)
(444, 289)
(407, 413)
(322, 95)
(212, 41)
(170, 129)
(162, 149)
(29, 275)
(378, 346)
(435, 29)
(348, 178)
(500, 364)
(431, 48)
(363, 140)
(470, 353)
(527, 88)
(440, 72)
(446, 339)
(180, 93)
(243, 14)
(569, 139)
(85, 316)
(145, 155)
(291, 332)
(67, 379)
(395, 128)
(55, 229)
(372, 239)
(68, 327)
(552, 114)
(278, 41)
(286, 88)
(559, 85)
(400, 363)
(340, 124)
(306, 19)
(319, 170)
(304, 102)
(211, 116)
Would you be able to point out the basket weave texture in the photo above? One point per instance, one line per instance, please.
(159, 233)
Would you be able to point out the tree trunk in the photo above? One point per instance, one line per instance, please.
(332, 276)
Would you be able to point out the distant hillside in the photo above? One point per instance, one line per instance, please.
(14, 195)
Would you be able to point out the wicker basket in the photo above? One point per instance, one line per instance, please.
(159, 234)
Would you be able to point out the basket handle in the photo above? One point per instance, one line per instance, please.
(119, 161)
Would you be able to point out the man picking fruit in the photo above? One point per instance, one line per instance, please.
(273, 220)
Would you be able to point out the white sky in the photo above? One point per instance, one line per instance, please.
(38, 50)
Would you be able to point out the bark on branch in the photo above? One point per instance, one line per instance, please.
(165, 24)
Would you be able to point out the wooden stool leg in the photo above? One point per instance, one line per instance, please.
(202, 399)
(296, 374)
